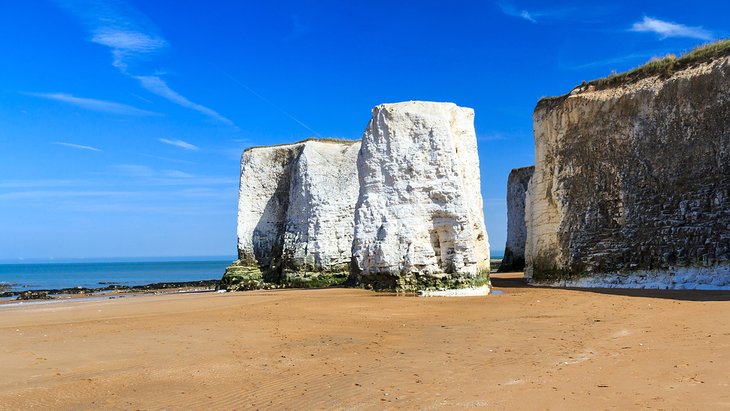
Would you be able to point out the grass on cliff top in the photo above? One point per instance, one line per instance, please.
(666, 66)
(662, 67)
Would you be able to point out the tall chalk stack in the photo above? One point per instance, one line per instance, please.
(419, 222)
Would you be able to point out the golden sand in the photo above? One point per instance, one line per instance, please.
(528, 348)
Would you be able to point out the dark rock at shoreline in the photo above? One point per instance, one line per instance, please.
(45, 294)
(34, 295)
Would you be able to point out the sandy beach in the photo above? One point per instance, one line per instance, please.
(527, 348)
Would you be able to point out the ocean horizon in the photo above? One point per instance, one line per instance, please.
(51, 274)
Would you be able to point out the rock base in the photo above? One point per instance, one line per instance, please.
(685, 278)
(418, 283)
(240, 277)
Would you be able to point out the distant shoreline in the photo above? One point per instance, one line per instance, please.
(91, 277)
(104, 260)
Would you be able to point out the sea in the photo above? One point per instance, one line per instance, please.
(51, 275)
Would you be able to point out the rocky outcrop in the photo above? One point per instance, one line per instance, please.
(419, 222)
(632, 183)
(295, 215)
(514, 250)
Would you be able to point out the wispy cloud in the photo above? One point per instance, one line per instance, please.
(667, 29)
(177, 174)
(126, 44)
(148, 176)
(584, 14)
(129, 34)
(511, 10)
(158, 86)
(76, 146)
(130, 37)
(94, 104)
(491, 137)
(178, 143)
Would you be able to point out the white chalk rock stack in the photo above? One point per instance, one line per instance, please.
(320, 219)
(295, 214)
(419, 222)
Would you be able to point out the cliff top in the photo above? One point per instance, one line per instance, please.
(318, 140)
(421, 106)
(522, 169)
(662, 68)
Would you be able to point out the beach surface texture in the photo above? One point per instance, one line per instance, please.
(524, 348)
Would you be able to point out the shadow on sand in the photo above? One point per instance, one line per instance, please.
(515, 280)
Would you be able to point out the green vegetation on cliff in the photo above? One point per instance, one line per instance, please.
(657, 67)
(666, 66)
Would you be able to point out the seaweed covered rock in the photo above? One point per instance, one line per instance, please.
(295, 215)
(631, 185)
(419, 222)
(514, 250)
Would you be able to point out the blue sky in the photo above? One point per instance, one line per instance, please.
(122, 122)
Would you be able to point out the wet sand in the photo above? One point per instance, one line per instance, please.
(528, 348)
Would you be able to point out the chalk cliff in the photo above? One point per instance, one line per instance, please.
(514, 250)
(419, 222)
(295, 214)
(632, 183)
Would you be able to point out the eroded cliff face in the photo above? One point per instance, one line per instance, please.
(632, 184)
(419, 222)
(295, 215)
(514, 249)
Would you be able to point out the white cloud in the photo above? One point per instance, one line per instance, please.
(129, 41)
(76, 146)
(491, 137)
(93, 104)
(126, 44)
(130, 36)
(526, 15)
(157, 85)
(513, 11)
(178, 143)
(669, 29)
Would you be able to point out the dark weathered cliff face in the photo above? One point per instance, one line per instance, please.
(514, 250)
(633, 179)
